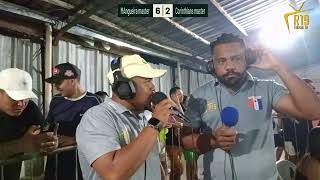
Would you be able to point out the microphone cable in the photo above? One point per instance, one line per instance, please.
(172, 155)
(145, 121)
(178, 131)
(145, 169)
(219, 103)
(194, 145)
(233, 169)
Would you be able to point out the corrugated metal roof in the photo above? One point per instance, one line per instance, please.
(163, 35)
(164, 32)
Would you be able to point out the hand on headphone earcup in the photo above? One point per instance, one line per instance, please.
(252, 56)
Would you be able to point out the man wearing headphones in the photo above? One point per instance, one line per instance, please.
(245, 151)
(115, 141)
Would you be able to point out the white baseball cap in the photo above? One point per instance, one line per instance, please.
(17, 84)
(135, 65)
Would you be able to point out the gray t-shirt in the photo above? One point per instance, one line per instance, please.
(253, 155)
(108, 127)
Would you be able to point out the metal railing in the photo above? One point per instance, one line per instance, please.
(30, 156)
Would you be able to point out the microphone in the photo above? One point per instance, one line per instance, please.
(229, 116)
(159, 96)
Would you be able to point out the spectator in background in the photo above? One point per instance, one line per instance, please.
(185, 102)
(67, 109)
(190, 156)
(173, 146)
(102, 95)
(289, 126)
(296, 132)
(309, 166)
(20, 120)
(303, 127)
(278, 135)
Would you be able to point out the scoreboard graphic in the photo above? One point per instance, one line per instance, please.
(163, 10)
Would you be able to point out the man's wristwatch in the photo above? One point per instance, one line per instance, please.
(155, 123)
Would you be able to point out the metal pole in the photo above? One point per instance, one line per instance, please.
(32, 168)
(76, 151)
(56, 167)
(2, 172)
(179, 74)
(48, 67)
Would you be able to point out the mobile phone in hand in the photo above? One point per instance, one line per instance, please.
(50, 127)
(55, 128)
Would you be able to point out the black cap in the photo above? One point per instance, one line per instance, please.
(64, 71)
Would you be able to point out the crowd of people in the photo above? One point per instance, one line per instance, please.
(115, 140)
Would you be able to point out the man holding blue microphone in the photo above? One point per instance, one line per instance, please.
(231, 116)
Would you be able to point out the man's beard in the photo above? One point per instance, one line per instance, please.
(233, 80)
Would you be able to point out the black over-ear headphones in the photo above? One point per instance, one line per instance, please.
(122, 86)
(250, 57)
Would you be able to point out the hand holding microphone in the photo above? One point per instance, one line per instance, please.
(162, 110)
(225, 137)
(158, 101)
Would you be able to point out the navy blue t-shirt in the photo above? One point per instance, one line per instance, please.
(297, 133)
(68, 113)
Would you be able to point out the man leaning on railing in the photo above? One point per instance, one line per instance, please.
(20, 120)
